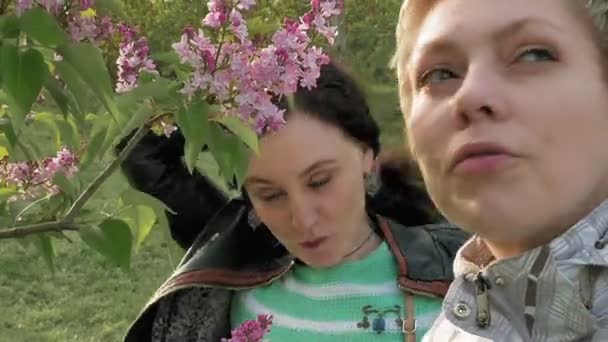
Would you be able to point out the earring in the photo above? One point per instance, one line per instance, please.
(253, 220)
(372, 183)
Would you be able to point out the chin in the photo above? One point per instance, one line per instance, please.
(498, 224)
(317, 261)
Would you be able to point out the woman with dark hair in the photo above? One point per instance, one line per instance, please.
(332, 246)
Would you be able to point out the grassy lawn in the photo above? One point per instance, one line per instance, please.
(89, 300)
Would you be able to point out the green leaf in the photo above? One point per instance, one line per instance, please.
(23, 75)
(6, 127)
(57, 94)
(141, 219)
(65, 184)
(135, 197)
(45, 247)
(195, 126)
(75, 84)
(221, 147)
(9, 27)
(110, 7)
(241, 130)
(241, 162)
(5, 193)
(139, 117)
(112, 239)
(45, 122)
(112, 134)
(158, 90)
(88, 62)
(17, 151)
(94, 145)
(169, 57)
(69, 132)
(43, 27)
(259, 25)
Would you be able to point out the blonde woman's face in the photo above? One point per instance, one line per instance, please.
(509, 116)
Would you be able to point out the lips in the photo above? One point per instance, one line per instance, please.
(314, 243)
(480, 155)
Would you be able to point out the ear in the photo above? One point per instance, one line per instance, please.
(369, 162)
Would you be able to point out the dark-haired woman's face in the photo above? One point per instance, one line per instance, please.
(307, 186)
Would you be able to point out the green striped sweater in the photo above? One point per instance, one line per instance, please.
(354, 301)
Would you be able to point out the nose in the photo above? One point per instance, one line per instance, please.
(481, 96)
(304, 214)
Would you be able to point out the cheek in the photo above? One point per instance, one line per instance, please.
(276, 218)
(426, 141)
(347, 193)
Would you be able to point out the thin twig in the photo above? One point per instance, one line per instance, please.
(66, 223)
(105, 174)
(45, 227)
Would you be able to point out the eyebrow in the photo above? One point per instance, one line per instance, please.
(445, 43)
(308, 170)
(521, 25)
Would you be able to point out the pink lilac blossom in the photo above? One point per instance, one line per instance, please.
(34, 178)
(93, 29)
(23, 5)
(217, 15)
(252, 330)
(53, 6)
(238, 27)
(86, 4)
(245, 4)
(243, 77)
(133, 59)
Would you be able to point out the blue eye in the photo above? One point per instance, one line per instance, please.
(435, 76)
(532, 55)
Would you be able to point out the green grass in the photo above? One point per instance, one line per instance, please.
(89, 300)
(86, 299)
(384, 104)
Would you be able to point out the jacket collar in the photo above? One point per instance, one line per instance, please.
(223, 257)
(585, 243)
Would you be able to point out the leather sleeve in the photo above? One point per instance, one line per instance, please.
(155, 167)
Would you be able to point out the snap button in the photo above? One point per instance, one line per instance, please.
(500, 281)
(462, 310)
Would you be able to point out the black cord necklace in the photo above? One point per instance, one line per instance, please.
(371, 233)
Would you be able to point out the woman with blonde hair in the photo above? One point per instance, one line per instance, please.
(506, 112)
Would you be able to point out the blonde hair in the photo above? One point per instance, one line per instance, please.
(413, 13)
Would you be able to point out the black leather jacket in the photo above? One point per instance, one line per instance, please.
(225, 255)
(229, 256)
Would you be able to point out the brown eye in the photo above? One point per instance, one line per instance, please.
(268, 195)
(272, 197)
(318, 183)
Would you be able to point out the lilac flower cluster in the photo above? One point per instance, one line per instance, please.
(34, 178)
(243, 78)
(252, 330)
(133, 59)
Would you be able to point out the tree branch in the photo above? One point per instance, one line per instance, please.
(45, 227)
(105, 174)
(66, 223)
